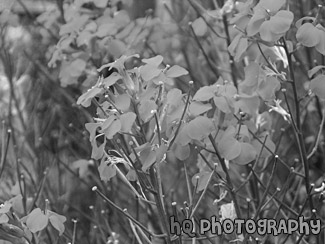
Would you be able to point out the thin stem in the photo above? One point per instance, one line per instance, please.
(4, 151)
(125, 213)
(318, 136)
(232, 61)
(182, 118)
(299, 135)
(202, 195)
(213, 69)
(229, 181)
(160, 207)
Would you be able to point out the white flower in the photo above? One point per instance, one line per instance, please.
(277, 108)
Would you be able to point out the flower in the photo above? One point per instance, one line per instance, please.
(277, 108)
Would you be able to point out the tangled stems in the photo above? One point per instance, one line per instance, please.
(298, 131)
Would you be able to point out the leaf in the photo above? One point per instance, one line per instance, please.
(200, 27)
(181, 152)
(74, 26)
(205, 93)
(126, 31)
(76, 67)
(268, 87)
(84, 38)
(174, 97)
(254, 24)
(17, 202)
(201, 180)
(118, 63)
(182, 137)
(112, 79)
(317, 85)
(222, 104)
(57, 221)
(100, 3)
(107, 123)
(271, 6)
(3, 218)
(320, 47)
(197, 108)
(227, 211)
(132, 175)
(241, 48)
(114, 128)
(238, 46)
(36, 220)
(149, 71)
(155, 61)
(85, 99)
(303, 19)
(97, 152)
(106, 170)
(150, 160)
(315, 70)
(145, 109)
(281, 21)
(121, 18)
(161, 153)
(116, 48)
(228, 146)
(106, 29)
(127, 121)
(92, 128)
(5, 207)
(122, 102)
(247, 154)
(174, 115)
(277, 26)
(199, 128)
(176, 71)
(247, 104)
(308, 35)
(252, 72)
(69, 72)
(82, 166)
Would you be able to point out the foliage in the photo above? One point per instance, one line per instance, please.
(192, 110)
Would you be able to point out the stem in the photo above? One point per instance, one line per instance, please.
(229, 182)
(4, 151)
(124, 213)
(181, 120)
(299, 135)
(202, 195)
(232, 61)
(160, 206)
(213, 69)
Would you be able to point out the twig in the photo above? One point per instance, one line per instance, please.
(125, 213)
(213, 69)
(299, 135)
(229, 181)
(202, 195)
(160, 206)
(318, 136)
